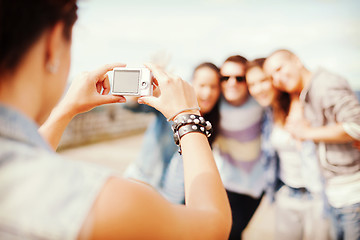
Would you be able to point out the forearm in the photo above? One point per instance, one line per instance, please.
(329, 134)
(203, 186)
(87, 91)
(55, 125)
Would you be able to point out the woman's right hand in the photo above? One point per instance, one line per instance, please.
(206, 206)
(89, 90)
(175, 94)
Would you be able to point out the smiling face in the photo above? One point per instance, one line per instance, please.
(234, 90)
(285, 70)
(206, 83)
(260, 86)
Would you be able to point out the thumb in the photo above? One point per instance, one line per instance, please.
(150, 100)
(105, 99)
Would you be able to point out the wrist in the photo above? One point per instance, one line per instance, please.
(190, 123)
(193, 110)
(63, 112)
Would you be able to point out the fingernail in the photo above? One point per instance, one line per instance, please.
(122, 100)
(140, 101)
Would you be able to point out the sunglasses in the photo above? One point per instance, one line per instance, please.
(239, 79)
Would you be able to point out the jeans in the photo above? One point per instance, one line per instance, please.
(346, 222)
(299, 215)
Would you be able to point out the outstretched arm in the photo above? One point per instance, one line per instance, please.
(87, 91)
(130, 210)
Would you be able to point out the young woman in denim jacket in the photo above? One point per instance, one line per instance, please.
(206, 82)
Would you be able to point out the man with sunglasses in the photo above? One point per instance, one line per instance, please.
(238, 148)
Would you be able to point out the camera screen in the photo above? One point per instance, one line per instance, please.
(126, 81)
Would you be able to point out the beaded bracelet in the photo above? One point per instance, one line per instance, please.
(190, 123)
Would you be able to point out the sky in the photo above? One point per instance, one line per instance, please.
(182, 34)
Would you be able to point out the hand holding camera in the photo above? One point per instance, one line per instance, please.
(89, 90)
(175, 94)
(172, 94)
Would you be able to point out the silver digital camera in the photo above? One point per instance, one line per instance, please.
(132, 82)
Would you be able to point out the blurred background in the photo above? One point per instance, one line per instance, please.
(181, 34)
(184, 33)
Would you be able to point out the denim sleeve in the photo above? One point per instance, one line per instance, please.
(269, 156)
(140, 108)
(45, 196)
(173, 188)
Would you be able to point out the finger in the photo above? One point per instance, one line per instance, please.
(151, 101)
(157, 72)
(98, 87)
(154, 81)
(106, 85)
(156, 92)
(105, 99)
(108, 67)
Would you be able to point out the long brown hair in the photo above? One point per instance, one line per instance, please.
(214, 115)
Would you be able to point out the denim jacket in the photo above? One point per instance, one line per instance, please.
(270, 157)
(42, 195)
(158, 147)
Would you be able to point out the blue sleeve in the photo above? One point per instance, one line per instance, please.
(269, 156)
(173, 188)
(142, 108)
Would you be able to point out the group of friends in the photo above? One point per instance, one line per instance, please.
(280, 130)
(275, 140)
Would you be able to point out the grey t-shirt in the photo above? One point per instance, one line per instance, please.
(42, 195)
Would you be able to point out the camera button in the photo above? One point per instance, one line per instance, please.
(143, 84)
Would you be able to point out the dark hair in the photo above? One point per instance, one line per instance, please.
(214, 115)
(281, 106)
(208, 65)
(237, 59)
(22, 22)
(282, 101)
